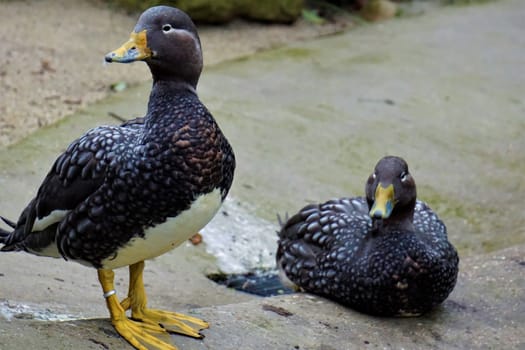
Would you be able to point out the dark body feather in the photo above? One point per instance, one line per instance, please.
(120, 195)
(116, 181)
(336, 250)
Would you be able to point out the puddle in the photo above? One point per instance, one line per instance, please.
(261, 282)
(244, 246)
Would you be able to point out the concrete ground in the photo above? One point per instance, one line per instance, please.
(308, 122)
(47, 66)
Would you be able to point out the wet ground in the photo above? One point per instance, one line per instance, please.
(308, 122)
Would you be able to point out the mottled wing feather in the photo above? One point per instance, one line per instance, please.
(427, 223)
(76, 174)
(308, 235)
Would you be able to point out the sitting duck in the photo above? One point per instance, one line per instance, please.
(386, 254)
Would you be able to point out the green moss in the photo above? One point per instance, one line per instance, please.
(448, 206)
(473, 227)
(369, 58)
(297, 52)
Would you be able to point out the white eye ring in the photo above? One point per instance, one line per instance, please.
(166, 28)
(404, 176)
(374, 175)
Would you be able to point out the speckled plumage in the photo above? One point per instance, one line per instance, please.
(115, 182)
(120, 195)
(398, 266)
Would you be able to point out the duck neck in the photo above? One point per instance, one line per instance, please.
(164, 98)
(398, 222)
(166, 88)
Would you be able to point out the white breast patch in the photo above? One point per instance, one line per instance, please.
(168, 235)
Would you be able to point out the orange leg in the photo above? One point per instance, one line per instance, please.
(171, 321)
(142, 336)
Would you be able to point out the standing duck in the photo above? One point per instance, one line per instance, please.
(122, 194)
(386, 254)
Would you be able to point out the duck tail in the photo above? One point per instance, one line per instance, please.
(8, 222)
(282, 221)
(5, 234)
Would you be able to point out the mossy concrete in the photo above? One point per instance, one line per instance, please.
(308, 122)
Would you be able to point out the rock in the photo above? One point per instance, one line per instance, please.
(285, 11)
(208, 11)
(378, 10)
(486, 310)
(221, 11)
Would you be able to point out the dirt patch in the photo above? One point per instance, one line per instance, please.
(53, 55)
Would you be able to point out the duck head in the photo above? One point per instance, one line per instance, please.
(167, 40)
(391, 190)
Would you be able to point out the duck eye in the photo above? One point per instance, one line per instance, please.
(166, 28)
(374, 175)
(404, 176)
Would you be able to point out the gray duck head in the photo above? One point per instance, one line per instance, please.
(167, 40)
(391, 191)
